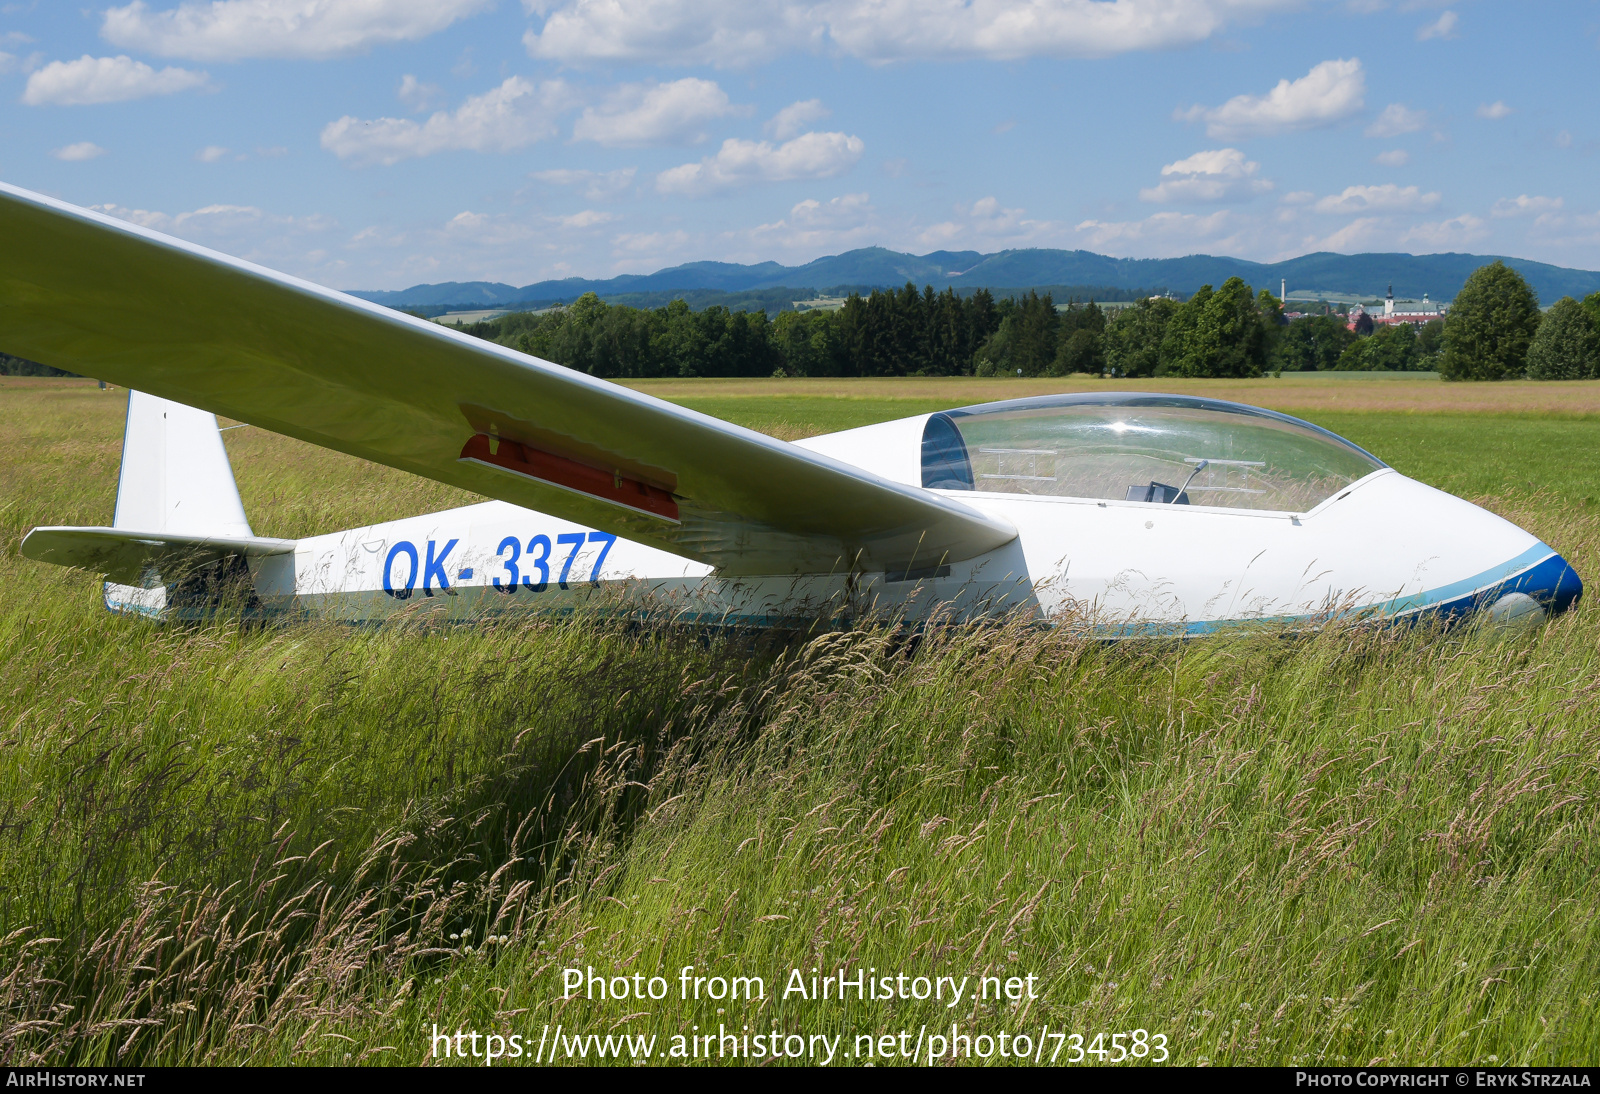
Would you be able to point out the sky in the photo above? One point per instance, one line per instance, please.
(377, 144)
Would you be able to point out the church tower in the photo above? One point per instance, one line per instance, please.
(1388, 302)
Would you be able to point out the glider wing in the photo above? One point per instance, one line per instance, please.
(108, 299)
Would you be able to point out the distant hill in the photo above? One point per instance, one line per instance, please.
(1440, 275)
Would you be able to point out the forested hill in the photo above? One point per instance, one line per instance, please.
(1440, 275)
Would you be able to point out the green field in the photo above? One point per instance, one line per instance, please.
(1467, 454)
(1535, 438)
(307, 843)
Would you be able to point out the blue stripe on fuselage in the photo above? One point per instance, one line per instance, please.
(1539, 572)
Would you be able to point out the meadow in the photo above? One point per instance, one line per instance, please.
(312, 844)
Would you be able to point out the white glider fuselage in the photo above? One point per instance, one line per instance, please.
(1388, 543)
(1379, 544)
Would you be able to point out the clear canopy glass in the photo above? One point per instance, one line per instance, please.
(1168, 449)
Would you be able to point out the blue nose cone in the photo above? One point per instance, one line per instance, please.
(1553, 583)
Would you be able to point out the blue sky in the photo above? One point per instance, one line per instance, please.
(380, 143)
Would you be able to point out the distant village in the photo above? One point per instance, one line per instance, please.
(1414, 312)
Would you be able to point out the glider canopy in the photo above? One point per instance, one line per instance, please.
(1129, 446)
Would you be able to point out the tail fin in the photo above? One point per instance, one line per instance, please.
(176, 477)
(181, 544)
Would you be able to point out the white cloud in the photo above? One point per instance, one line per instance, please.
(587, 218)
(244, 230)
(10, 62)
(1220, 175)
(228, 30)
(715, 32)
(651, 240)
(500, 230)
(1161, 233)
(1331, 92)
(814, 226)
(1010, 29)
(482, 231)
(511, 116)
(636, 115)
(77, 153)
(1359, 234)
(472, 245)
(986, 223)
(597, 185)
(104, 80)
(739, 162)
(737, 32)
(1397, 119)
(1455, 232)
(211, 153)
(1442, 27)
(843, 210)
(375, 236)
(792, 120)
(637, 251)
(1494, 111)
(1395, 157)
(1525, 205)
(418, 95)
(1387, 198)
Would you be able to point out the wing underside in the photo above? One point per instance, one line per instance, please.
(107, 299)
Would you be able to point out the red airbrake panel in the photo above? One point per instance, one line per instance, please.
(547, 467)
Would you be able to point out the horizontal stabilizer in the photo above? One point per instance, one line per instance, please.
(129, 557)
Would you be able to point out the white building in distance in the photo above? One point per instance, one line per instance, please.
(1410, 311)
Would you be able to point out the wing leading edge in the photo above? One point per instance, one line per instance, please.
(107, 299)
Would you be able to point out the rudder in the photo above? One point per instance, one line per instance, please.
(175, 472)
(175, 478)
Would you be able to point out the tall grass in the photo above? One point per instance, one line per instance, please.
(226, 843)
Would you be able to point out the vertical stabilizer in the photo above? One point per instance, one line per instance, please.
(176, 479)
(175, 472)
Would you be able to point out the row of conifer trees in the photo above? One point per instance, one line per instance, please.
(1495, 330)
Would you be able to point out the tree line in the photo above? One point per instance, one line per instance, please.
(1229, 331)
(897, 333)
(1495, 330)
(21, 366)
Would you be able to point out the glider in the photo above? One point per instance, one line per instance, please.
(1144, 513)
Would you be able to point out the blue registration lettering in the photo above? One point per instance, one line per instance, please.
(435, 567)
(512, 544)
(400, 548)
(606, 541)
(539, 558)
(576, 539)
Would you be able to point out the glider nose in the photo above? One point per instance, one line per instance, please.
(1552, 587)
